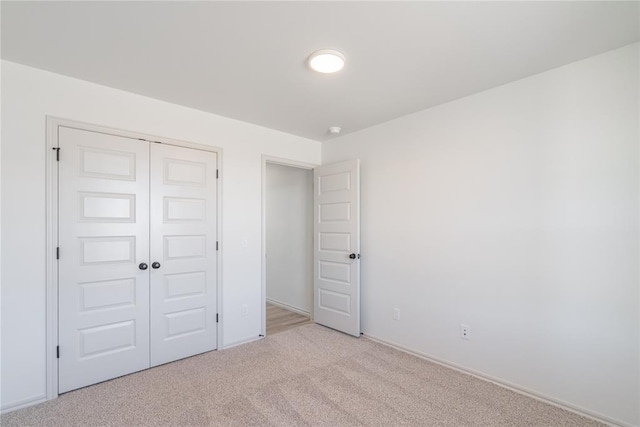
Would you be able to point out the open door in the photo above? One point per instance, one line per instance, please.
(336, 229)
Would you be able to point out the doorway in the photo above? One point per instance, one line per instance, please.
(288, 246)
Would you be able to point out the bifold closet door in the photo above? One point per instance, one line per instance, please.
(103, 287)
(183, 252)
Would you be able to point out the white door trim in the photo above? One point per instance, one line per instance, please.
(51, 279)
(284, 162)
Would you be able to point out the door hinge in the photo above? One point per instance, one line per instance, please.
(58, 253)
(217, 318)
(57, 149)
(57, 352)
(216, 245)
(217, 174)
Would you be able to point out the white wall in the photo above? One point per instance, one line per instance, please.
(514, 211)
(28, 95)
(289, 236)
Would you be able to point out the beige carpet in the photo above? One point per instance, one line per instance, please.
(308, 376)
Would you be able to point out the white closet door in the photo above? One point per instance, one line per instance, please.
(103, 237)
(183, 252)
(337, 246)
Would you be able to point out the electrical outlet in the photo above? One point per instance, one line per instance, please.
(396, 314)
(465, 332)
(245, 242)
(244, 311)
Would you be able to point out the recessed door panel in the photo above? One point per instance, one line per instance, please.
(185, 285)
(180, 209)
(183, 243)
(107, 207)
(105, 163)
(100, 341)
(334, 212)
(181, 247)
(334, 182)
(335, 302)
(337, 251)
(107, 250)
(339, 272)
(108, 294)
(184, 172)
(103, 235)
(334, 242)
(185, 322)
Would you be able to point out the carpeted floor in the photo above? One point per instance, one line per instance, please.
(308, 376)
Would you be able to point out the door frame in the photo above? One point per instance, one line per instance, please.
(282, 162)
(51, 226)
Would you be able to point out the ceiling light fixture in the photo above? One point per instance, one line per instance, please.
(326, 61)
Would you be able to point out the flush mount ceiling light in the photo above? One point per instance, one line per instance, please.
(326, 61)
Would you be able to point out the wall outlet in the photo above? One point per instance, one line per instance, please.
(396, 314)
(465, 332)
(244, 311)
(244, 242)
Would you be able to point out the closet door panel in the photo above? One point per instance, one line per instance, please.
(103, 295)
(183, 244)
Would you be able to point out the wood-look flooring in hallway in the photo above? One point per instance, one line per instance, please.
(279, 319)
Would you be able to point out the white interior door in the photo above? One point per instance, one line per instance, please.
(337, 246)
(183, 252)
(103, 237)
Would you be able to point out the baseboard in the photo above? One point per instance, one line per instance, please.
(497, 381)
(505, 384)
(288, 307)
(23, 403)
